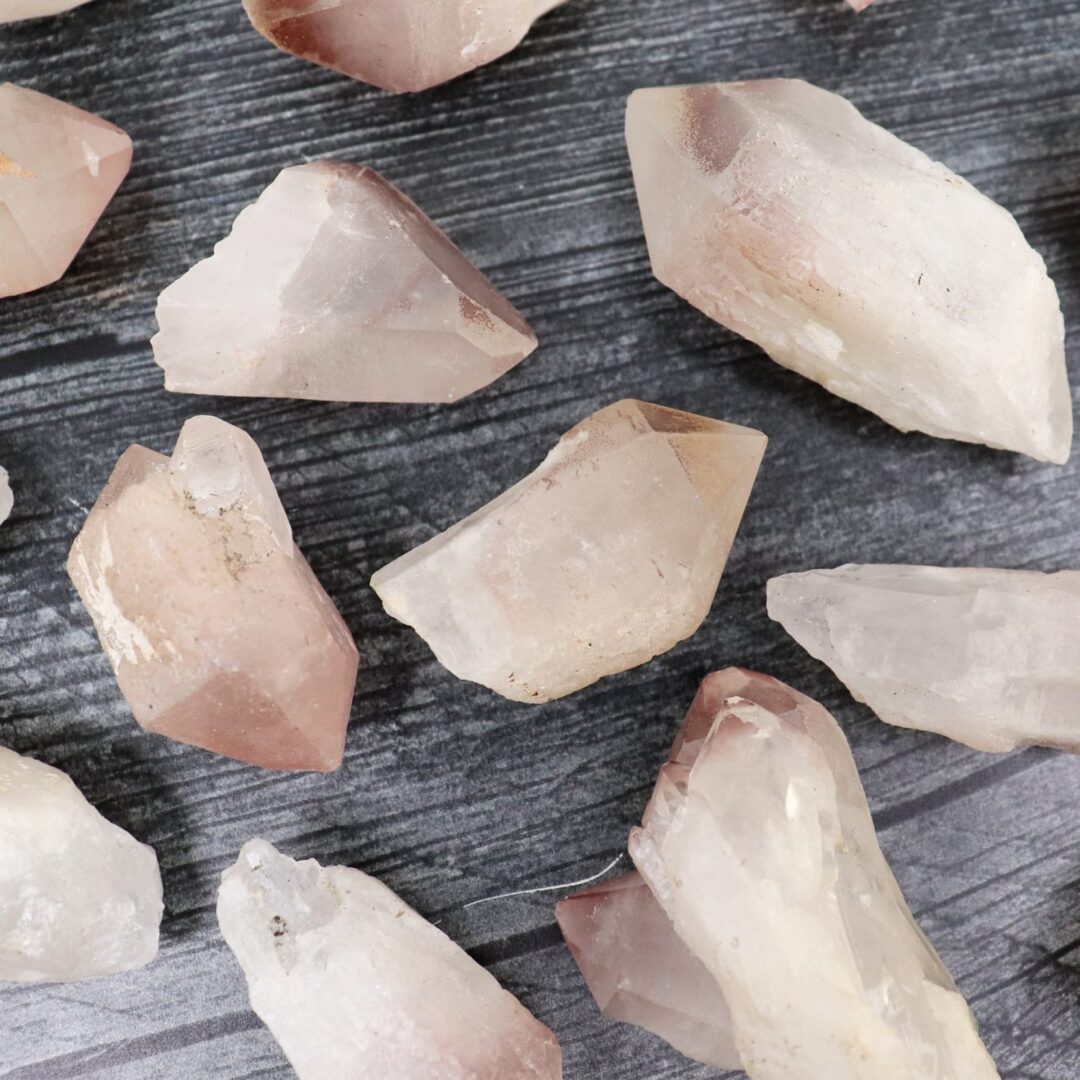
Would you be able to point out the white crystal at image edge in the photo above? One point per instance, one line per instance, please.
(7, 500)
(17, 10)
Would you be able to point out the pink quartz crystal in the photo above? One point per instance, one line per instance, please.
(16, 10)
(399, 45)
(860, 5)
(59, 167)
(218, 630)
(335, 286)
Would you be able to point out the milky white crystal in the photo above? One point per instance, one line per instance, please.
(606, 555)
(399, 45)
(218, 630)
(355, 985)
(852, 258)
(758, 844)
(7, 500)
(79, 897)
(986, 657)
(59, 168)
(16, 10)
(334, 285)
(640, 972)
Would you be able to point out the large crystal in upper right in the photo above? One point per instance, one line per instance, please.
(607, 555)
(759, 846)
(852, 258)
(335, 286)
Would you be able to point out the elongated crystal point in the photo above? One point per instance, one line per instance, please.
(219, 633)
(355, 985)
(853, 259)
(606, 555)
(59, 169)
(398, 45)
(759, 846)
(335, 286)
(17, 10)
(79, 897)
(986, 657)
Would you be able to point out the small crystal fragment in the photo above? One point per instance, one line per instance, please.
(59, 168)
(852, 258)
(7, 500)
(605, 556)
(355, 984)
(758, 843)
(640, 972)
(79, 897)
(16, 10)
(986, 657)
(333, 285)
(860, 5)
(218, 630)
(398, 45)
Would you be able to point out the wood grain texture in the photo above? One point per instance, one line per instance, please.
(447, 792)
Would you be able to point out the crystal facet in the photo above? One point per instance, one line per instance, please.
(640, 972)
(17, 10)
(354, 984)
(79, 897)
(7, 500)
(59, 167)
(333, 285)
(986, 657)
(218, 630)
(852, 258)
(758, 843)
(399, 45)
(606, 555)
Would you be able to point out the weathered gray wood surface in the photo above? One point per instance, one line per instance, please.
(447, 792)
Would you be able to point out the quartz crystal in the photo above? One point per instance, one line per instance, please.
(640, 972)
(16, 10)
(355, 985)
(79, 897)
(59, 167)
(399, 45)
(7, 500)
(334, 285)
(606, 555)
(218, 630)
(860, 5)
(759, 846)
(986, 657)
(852, 258)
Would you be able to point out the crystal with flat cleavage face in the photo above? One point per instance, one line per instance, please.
(218, 630)
(986, 657)
(333, 285)
(79, 897)
(59, 168)
(606, 555)
(852, 258)
(355, 985)
(399, 45)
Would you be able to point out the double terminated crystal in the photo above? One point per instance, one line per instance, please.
(335, 286)
(355, 985)
(759, 848)
(59, 167)
(218, 630)
(606, 555)
(79, 897)
(987, 657)
(852, 258)
(399, 45)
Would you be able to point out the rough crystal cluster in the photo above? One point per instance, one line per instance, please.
(79, 897)
(759, 847)
(986, 657)
(852, 258)
(606, 555)
(218, 630)
(354, 984)
(7, 500)
(16, 10)
(399, 45)
(333, 285)
(59, 168)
